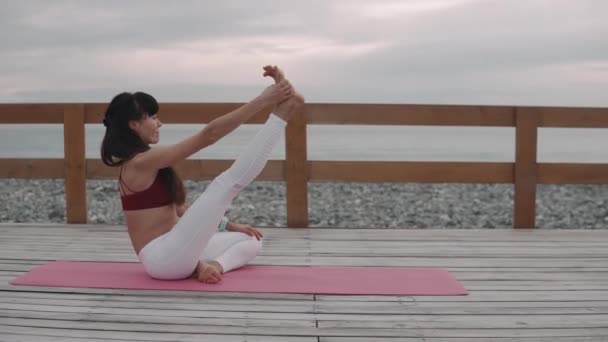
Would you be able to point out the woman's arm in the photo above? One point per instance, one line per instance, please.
(164, 156)
(245, 229)
(223, 125)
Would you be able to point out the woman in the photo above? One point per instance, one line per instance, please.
(172, 240)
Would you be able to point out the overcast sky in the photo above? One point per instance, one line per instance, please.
(536, 52)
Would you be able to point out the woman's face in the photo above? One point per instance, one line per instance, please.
(147, 128)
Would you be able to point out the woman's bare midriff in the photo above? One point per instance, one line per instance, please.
(148, 224)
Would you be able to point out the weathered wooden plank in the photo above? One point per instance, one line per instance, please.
(269, 304)
(337, 304)
(252, 300)
(413, 172)
(573, 117)
(168, 313)
(105, 335)
(383, 244)
(158, 324)
(376, 234)
(274, 247)
(24, 333)
(373, 321)
(183, 112)
(30, 113)
(279, 331)
(36, 338)
(460, 235)
(319, 238)
(489, 296)
(327, 311)
(4, 286)
(193, 169)
(157, 319)
(572, 173)
(480, 249)
(438, 261)
(402, 114)
(472, 322)
(467, 236)
(31, 168)
(341, 248)
(263, 308)
(459, 308)
(466, 339)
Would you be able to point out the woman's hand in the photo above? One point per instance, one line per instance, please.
(280, 81)
(277, 93)
(245, 229)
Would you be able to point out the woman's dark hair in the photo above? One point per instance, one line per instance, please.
(120, 143)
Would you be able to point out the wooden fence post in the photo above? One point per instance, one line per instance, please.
(296, 171)
(526, 168)
(75, 164)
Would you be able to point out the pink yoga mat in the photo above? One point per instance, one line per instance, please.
(258, 279)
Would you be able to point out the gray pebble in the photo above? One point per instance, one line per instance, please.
(340, 205)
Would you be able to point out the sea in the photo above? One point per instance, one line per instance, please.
(343, 142)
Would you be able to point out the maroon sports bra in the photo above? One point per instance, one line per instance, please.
(156, 195)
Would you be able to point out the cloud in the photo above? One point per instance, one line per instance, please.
(394, 9)
(433, 51)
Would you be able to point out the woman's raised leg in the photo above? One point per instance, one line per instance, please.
(199, 223)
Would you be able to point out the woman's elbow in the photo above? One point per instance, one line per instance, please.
(209, 135)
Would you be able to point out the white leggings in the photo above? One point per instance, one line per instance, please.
(175, 254)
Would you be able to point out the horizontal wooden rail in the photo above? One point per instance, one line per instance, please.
(336, 171)
(185, 113)
(32, 168)
(192, 169)
(573, 117)
(572, 173)
(31, 113)
(341, 114)
(524, 173)
(411, 172)
(430, 115)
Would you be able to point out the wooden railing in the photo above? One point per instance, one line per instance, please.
(525, 173)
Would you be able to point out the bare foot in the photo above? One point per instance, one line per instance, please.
(209, 272)
(286, 109)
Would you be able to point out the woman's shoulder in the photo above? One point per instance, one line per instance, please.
(135, 161)
(135, 165)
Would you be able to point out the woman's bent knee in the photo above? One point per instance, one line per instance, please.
(258, 245)
(250, 248)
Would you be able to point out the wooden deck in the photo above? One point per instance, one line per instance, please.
(525, 285)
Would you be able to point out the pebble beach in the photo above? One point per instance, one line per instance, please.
(336, 205)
